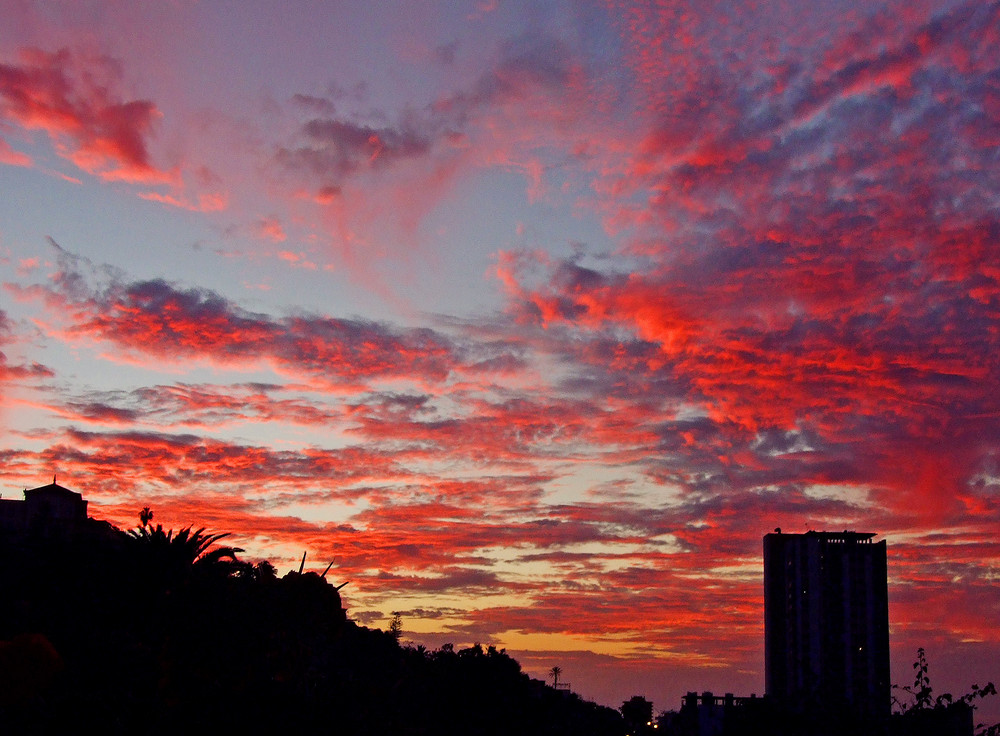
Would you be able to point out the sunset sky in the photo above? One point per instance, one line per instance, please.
(533, 317)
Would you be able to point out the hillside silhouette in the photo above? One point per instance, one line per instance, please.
(154, 632)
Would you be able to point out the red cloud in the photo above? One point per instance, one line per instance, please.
(808, 268)
(74, 102)
(800, 332)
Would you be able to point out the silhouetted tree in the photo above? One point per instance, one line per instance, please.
(184, 549)
(555, 672)
(145, 516)
(262, 571)
(396, 626)
(638, 714)
(926, 714)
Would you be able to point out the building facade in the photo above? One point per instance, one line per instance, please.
(826, 623)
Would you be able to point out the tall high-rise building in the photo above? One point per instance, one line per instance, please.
(826, 623)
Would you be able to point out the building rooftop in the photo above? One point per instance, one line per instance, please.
(52, 489)
(843, 536)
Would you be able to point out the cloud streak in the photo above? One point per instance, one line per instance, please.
(159, 320)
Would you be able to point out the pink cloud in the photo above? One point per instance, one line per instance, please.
(10, 157)
(297, 260)
(270, 228)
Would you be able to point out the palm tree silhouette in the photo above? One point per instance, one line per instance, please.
(177, 554)
(555, 672)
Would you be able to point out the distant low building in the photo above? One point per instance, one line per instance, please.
(45, 511)
(713, 715)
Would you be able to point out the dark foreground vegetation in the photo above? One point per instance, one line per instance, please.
(153, 633)
(156, 632)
